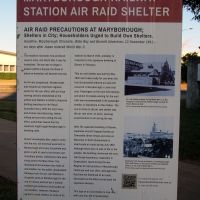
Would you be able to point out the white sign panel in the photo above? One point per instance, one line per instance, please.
(98, 99)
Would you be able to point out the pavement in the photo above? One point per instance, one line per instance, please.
(189, 172)
(189, 181)
(8, 146)
(8, 89)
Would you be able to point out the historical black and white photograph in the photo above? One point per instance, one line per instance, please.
(150, 137)
(150, 75)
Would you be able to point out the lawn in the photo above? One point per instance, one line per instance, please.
(7, 76)
(8, 110)
(8, 189)
(189, 134)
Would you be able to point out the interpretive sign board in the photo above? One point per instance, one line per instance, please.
(98, 99)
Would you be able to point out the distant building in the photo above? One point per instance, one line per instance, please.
(167, 75)
(155, 134)
(7, 62)
(131, 65)
(130, 136)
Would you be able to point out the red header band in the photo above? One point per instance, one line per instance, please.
(99, 11)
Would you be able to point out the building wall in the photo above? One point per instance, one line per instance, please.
(7, 62)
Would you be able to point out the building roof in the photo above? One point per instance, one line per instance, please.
(8, 53)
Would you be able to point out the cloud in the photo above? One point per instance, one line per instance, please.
(190, 45)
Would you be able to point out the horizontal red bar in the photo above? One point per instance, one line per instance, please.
(99, 11)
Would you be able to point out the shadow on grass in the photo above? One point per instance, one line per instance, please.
(8, 189)
(189, 148)
(8, 107)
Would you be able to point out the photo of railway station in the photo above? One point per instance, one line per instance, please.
(150, 75)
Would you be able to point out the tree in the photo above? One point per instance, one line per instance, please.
(185, 59)
(183, 72)
(194, 7)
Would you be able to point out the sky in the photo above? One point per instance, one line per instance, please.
(191, 34)
(190, 31)
(143, 124)
(8, 25)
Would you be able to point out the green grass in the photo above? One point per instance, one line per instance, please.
(7, 76)
(8, 189)
(8, 110)
(189, 146)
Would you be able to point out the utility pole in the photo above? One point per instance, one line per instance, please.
(193, 90)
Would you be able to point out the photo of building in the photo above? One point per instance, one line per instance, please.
(153, 143)
(150, 75)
